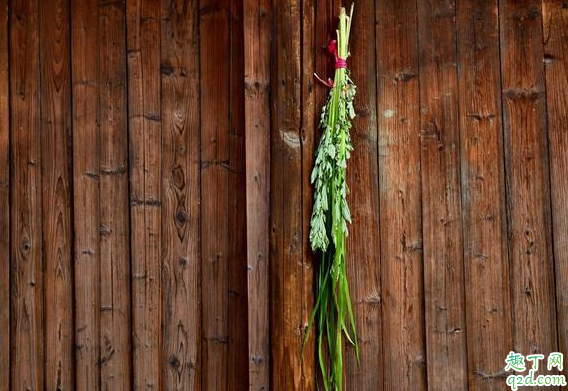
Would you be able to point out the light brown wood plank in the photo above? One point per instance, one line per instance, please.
(527, 181)
(486, 264)
(256, 20)
(286, 197)
(57, 236)
(555, 20)
(4, 201)
(215, 152)
(86, 196)
(181, 195)
(27, 331)
(115, 310)
(398, 118)
(145, 135)
(363, 242)
(441, 197)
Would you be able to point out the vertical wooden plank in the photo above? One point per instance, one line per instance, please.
(441, 197)
(27, 332)
(181, 195)
(237, 377)
(214, 63)
(115, 349)
(145, 131)
(404, 354)
(85, 82)
(286, 197)
(57, 236)
(526, 158)
(363, 242)
(555, 19)
(526, 155)
(483, 195)
(308, 137)
(257, 29)
(4, 201)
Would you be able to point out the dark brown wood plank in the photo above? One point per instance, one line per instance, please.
(398, 116)
(555, 19)
(86, 201)
(145, 135)
(57, 236)
(115, 323)
(181, 192)
(286, 197)
(257, 32)
(363, 242)
(4, 201)
(237, 377)
(27, 332)
(308, 133)
(488, 307)
(441, 197)
(215, 153)
(527, 181)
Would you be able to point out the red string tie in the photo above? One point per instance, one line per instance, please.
(339, 63)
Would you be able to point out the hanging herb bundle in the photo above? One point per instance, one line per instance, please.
(333, 312)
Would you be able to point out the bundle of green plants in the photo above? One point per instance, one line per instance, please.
(333, 312)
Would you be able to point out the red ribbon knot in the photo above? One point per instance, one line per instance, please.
(339, 63)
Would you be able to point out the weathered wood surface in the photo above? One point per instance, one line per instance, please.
(215, 169)
(256, 26)
(155, 197)
(286, 219)
(4, 201)
(363, 260)
(441, 197)
(115, 294)
(145, 138)
(555, 21)
(401, 300)
(237, 375)
(56, 189)
(86, 192)
(181, 195)
(486, 262)
(27, 331)
(527, 180)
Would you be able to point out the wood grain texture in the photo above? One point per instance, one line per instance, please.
(181, 195)
(145, 155)
(555, 21)
(86, 195)
(27, 331)
(256, 25)
(404, 354)
(155, 200)
(363, 252)
(238, 373)
(215, 167)
(286, 197)
(57, 236)
(528, 187)
(308, 129)
(486, 264)
(4, 201)
(115, 306)
(441, 197)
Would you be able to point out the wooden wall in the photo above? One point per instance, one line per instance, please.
(122, 193)
(144, 245)
(458, 249)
